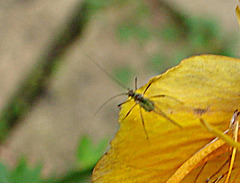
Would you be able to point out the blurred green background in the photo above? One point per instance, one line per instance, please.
(51, 89)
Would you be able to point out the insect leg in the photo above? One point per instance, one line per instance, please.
(107, 102)
(143, 123)
(129, 111)
(147, 88)
(135, 83)
(119, 105)
(167, 96)
(161, 113)
(109, 75)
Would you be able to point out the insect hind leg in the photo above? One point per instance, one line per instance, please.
(167, 96)
(143, 123)
(161, 113)
(129, 111)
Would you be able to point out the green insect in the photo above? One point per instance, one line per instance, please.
(145, 103)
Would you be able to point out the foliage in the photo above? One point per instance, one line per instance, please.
(195, 35)
(88, 153)
(22, 173)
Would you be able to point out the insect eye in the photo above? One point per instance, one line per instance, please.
(130, 93)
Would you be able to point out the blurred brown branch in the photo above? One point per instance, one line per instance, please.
(36, 82)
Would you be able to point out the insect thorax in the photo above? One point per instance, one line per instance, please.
(145, 103)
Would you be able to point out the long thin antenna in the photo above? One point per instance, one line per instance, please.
(108, 101)
(110, 76)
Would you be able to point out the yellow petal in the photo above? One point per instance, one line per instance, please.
(223, 136)
(238, 14)
(208, 86)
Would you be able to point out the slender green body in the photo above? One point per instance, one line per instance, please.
(145, 103)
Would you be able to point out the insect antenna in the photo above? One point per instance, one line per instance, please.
(109, 75)
(115, 96)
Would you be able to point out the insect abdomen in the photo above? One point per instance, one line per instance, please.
(147, 104)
